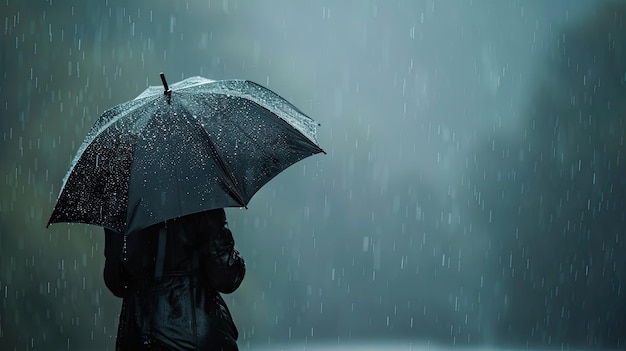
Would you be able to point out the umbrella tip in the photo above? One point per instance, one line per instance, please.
(165, 86)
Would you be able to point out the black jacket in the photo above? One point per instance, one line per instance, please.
(170, 276)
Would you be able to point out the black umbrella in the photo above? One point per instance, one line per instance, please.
(200, 145)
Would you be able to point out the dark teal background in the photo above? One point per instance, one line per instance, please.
(472, 194)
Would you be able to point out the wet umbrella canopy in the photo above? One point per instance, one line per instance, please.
(197, 145)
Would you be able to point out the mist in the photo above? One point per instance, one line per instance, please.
(472, 194)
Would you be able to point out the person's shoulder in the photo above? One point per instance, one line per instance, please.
(203, 218)
(217, 213)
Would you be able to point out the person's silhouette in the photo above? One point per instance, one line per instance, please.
(170, 277)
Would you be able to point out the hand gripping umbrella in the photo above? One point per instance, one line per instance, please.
(199, 145)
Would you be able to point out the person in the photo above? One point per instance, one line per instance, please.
(170, 277)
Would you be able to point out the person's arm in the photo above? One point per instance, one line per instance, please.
(115, 276)
(223, 264)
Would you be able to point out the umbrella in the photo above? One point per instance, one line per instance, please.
(196, 145)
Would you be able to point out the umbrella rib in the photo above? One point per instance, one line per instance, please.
(232, 182)
(274, 103)
(282, 121)
(94, 133)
